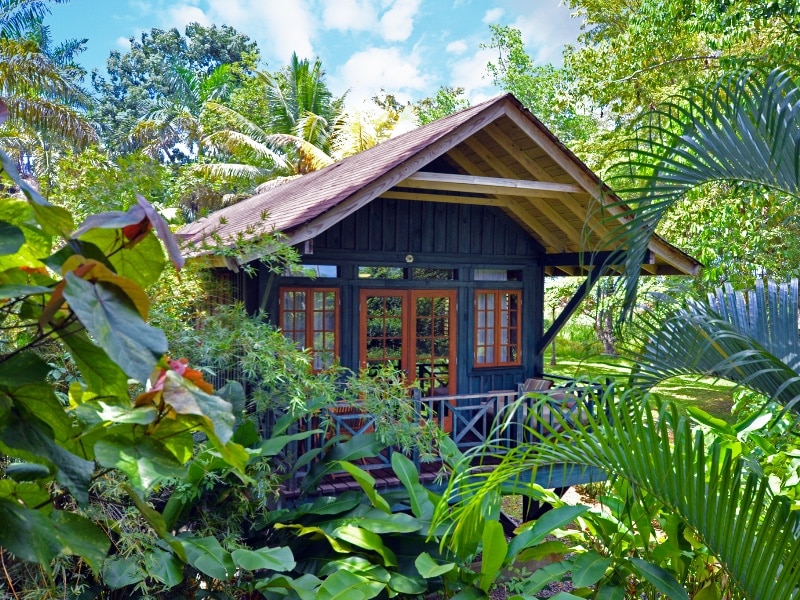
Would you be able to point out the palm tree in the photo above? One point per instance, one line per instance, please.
(17, 17)
(38, 85)
(358, 130)
(173, 125)
(302, 119)
(301, 104)
(744, 129)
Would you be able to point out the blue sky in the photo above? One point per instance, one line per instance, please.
(409, 47)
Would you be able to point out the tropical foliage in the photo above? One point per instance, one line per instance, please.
(742, 131)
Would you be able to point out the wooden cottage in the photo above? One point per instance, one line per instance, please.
(429, 252)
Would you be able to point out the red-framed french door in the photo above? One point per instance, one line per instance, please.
(413, 331)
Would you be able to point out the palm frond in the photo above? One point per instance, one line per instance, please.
(234, 120)
(753, 533)
(24, 70)
(236, 143)
(745, 128)
(750, 339)
(19, 16)
(231, 171)
(52, 116)
(310, 157)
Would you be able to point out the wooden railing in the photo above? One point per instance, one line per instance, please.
(471, 420)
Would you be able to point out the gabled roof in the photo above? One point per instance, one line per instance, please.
(494, 153)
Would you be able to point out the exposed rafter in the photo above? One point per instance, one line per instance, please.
(449, 198)
(572, 235)
(489, 185)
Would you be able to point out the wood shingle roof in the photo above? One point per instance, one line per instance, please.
(494, 153)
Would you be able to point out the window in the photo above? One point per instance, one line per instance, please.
(497, 328)
(310, 317)
(302, 270)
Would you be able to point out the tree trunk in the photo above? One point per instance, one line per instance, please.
(604, 327)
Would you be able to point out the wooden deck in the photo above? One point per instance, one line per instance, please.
(468, 419)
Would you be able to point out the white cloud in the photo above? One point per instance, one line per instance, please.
(367, 71)
(182, 14)
(493, 15)
(397, 23)
(470, 73)
(123, 43)
(349, 15)
(544, 43)
(279, 28)
(456, 47)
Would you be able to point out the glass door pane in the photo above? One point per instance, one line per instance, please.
(383, 329)
(434, 342)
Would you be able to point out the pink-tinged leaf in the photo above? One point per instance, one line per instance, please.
(114, 219)
(163, 232)
(185, 398)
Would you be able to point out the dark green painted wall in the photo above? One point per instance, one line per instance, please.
(437, 235)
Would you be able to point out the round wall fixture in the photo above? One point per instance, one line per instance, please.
(409, 258)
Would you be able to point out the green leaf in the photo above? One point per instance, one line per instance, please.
(143, 459)
(27, 437)
(27, 534)
(102, 375)
(143, 263)
(470, 593)
(13, 290)
(25, 493)
(112, 319)
(121, 572)
(406, 472)
(156, 521)
(27, 471)
(274, 559)
(543, 526)
(612, 592)
(138, 415)
(305, 586)
(547, 575)
(710, 592)
(367, 540)
(493, 553)
(79, 536)
(661, 579)
(41, 402)
(348, 586)
(367, 483)
(163, 566)
(356, 448)
(376, 521)
(331, 505)
(207, 556)
(274, 445)
(11, 238)
(544, 550)
(588, 568)
(406, 585)
(23, 369)
(429, 568)
(56, 260)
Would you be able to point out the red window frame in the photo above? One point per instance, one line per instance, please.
(498, 331)
(312, 325)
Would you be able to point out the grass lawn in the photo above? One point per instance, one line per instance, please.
(713, 396)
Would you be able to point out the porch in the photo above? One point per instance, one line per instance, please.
(483, 427)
